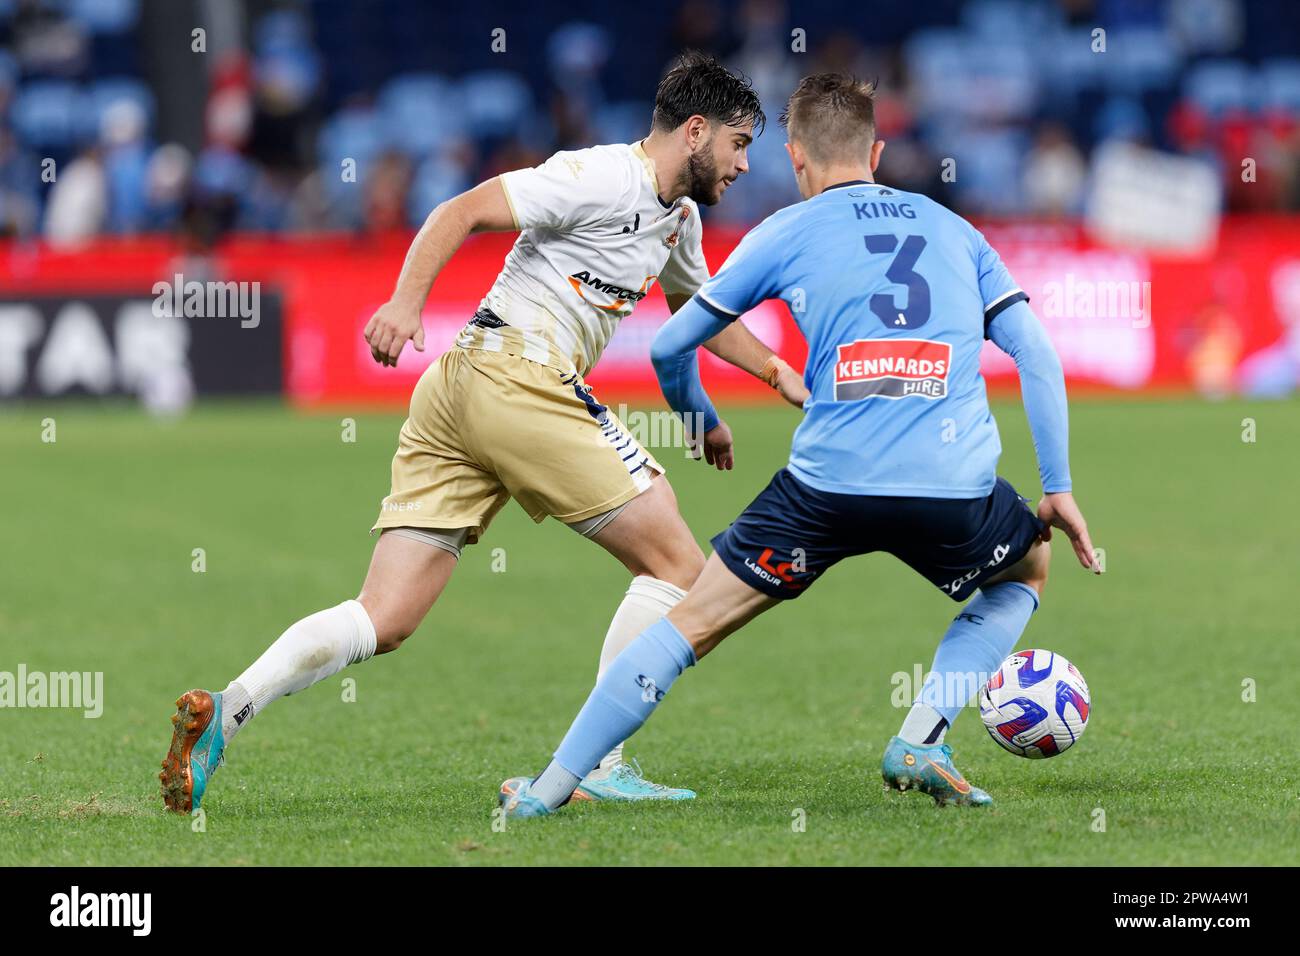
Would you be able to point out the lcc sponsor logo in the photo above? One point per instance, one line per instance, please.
(892, 368)
(780, 573)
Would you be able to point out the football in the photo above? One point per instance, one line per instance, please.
(1036, 705)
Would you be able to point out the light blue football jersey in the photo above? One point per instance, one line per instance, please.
(893, 293)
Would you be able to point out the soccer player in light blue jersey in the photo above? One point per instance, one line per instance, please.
(897, 451)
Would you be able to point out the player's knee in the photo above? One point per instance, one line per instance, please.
(392, 625)
(678, 562)
(689, 563)
(390, 635)
(386, 641)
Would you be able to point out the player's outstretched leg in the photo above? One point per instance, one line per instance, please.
(976, 643)
(634, 684)
(649, 536)
(621, 702)
(406, 576)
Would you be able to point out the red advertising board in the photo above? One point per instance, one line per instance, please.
(1122, 320)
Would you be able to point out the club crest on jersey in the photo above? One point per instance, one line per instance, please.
(622, 296)
(683, 213)
(892, 368)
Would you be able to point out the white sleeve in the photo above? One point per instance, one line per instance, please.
(685, 271)
(569, 190)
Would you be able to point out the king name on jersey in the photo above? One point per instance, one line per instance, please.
(892, 368)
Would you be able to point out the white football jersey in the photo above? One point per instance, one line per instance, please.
(594, 238)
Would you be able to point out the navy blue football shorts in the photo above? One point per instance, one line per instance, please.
(791, 533)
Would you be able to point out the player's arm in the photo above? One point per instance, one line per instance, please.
(738, 346)
(673, 355)
(484, 208)
(751, 274)
(1017, 331)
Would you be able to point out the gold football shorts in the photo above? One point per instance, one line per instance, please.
(488, 426)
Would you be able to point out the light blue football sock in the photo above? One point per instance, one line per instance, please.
(976, 643)
(622, 700)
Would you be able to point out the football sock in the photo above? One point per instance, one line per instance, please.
(622, 700)
(647, 600)
(555, 785)
(236, 709)
(976, 643)
(923, 725)
(309, 651)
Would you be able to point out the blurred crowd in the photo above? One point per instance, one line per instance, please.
(327, 115)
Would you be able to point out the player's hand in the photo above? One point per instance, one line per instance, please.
(390, 329)
(790, 384)
(1059, 511)
(717, 447)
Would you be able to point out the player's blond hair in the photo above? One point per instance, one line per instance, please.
(833, 116)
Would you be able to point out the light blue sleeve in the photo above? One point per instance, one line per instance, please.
(673, 355)
(1017, 331)
(998, 290)
(751, 274)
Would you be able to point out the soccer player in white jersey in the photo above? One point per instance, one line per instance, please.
(505, 413)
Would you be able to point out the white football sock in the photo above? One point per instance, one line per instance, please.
(236, 709)
(647, 600)
(554, 785)
(923, 725)
(311, 650)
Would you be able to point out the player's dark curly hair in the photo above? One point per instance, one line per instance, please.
(833, 115)
(699, 84)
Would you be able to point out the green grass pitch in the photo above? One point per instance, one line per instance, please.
(785, 723)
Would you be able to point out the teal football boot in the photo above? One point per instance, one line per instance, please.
(197, 749)
(929, 768)
(625, 782)
(518, 802)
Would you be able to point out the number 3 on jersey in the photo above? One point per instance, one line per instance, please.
(902, 272)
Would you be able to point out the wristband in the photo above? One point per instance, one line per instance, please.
(772, 369)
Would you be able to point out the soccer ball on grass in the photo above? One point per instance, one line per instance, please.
(1036, 705)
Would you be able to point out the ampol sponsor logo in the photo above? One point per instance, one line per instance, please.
(892, 368)
(622, 296)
